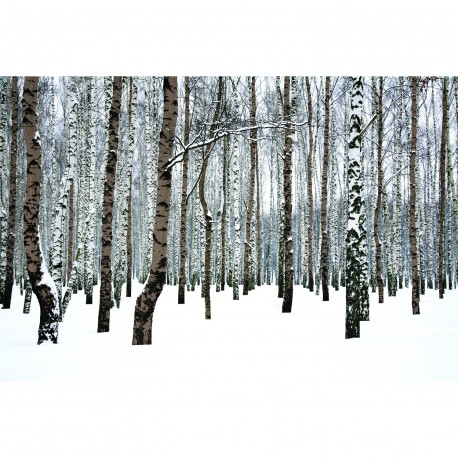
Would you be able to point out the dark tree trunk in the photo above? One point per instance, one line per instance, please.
(41, 282)
(105, 303)
(442, 195)
(184, 190)
(208, 218)
(146, 302)
(324, 196)
(378, 243)
(129, 241)
(287, 187)
(12, 200)
(309, 184)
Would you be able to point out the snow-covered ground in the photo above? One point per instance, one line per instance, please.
(251, 382)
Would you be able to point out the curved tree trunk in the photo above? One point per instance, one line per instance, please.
(105, 303)
(12, 201)
(146, 302)
(40, 279)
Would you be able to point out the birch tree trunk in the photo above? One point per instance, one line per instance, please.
(412, 225)
(41, 282)
(146, 302)
(378, 208)
(249, 216)
(442, 195)
(324, 196)
(105, 303)
(357, 294)
(4, 88)
(12, 200)
(287, 189)
(203, 201)
(184, 201)
(309, 184)
(224, 222)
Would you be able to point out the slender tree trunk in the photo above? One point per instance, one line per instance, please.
(309, 184)
(378, 208)
(249, 216)
(28, 295)
(146, 301)
(70, 231)
(287, 188)
(281, 210)
(129, 241)
(105, 303)
(236, 201)
(41, 282)
(70, 287)
(184, 190)
(224, 216)
(412, 225)
(442, 195)
(324, 196)
(12, 200)
(203, 201)
(132, 119)
(258, 221)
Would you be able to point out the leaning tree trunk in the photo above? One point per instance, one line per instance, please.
(184, 190)
(442, 195)
(146, 302)
(40, 279)
(309, 185)
(324, 196)
(412, 225)
(12, 201)
(249, 216)
(105, 303)
(357, 292)
(287, 189)
(378, 208)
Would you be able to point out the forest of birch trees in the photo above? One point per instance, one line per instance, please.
(210, 183)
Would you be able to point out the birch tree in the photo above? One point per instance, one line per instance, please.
(357, 295)
(146, 301)
(412, 203)
(105, 303)
(12, 198)
(287, 189)
(41, 282)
